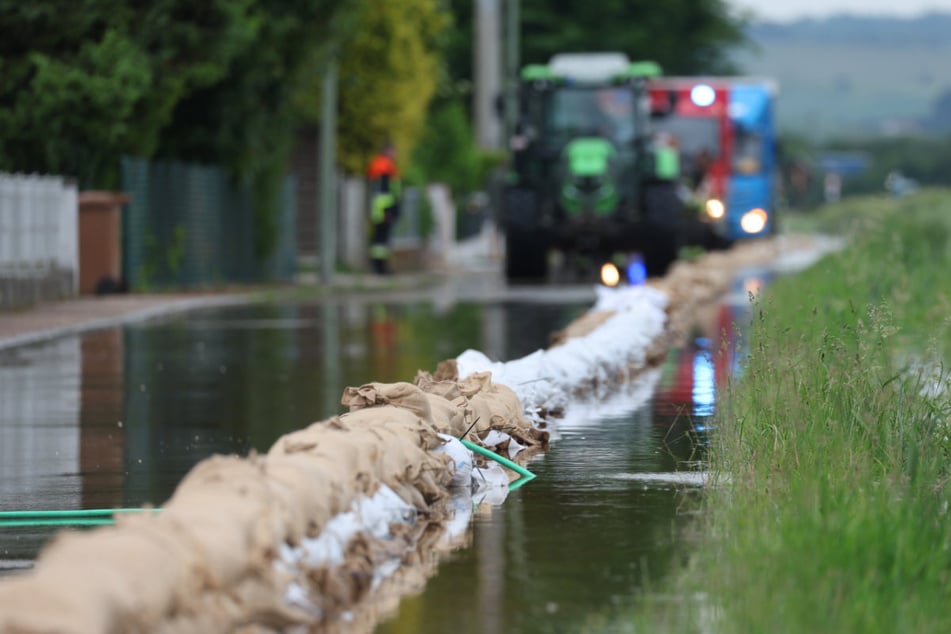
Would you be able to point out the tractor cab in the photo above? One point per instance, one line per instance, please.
(580, 151)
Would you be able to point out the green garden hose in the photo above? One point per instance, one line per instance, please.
(505, 462)
(98, 517)
(73, 517)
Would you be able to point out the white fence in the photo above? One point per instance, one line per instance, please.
(39, 239)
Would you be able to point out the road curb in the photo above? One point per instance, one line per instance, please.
(130, 316)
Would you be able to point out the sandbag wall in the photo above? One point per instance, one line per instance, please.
(245, 544)
(627, 330)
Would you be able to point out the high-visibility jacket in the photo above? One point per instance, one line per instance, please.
(667, 163)
(385, 186)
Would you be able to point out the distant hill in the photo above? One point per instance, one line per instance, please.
(928, 30)
(850, 75)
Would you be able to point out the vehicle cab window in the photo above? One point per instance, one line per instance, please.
(747, 151)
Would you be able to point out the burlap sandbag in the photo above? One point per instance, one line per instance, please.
(584, 325)
(448, 412)
(351, 451)
(206, 562)
(257, 598)
(403, 448)
(109, 580)
(318, 488)
(447, 388)
(447, 370)
(405, 395)
(496, 406)
(226, 506)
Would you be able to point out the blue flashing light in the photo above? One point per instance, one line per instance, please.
(636, 272)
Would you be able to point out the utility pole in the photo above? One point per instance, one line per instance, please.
(488, 66)
(513, 42)
(327, 176)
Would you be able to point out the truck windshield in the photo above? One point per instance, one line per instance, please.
(698, 140)
(693, 134)
(747, 152)
(585, 111)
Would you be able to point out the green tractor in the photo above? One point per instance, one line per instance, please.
(584, 173)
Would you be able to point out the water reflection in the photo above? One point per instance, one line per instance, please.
(40, 438)
(583, 540)
(41, 434)
(102, 448)
(117, 417)
(733, 317)
(607, 518)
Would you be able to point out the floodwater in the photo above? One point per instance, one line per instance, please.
(606, 519)
(115, 418)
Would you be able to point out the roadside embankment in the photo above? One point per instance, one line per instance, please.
(338, 519)
(836, 440)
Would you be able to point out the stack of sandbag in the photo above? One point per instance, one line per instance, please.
(297, 536)
(692, 285)
(688, 287)
(628, 330)
(612, 346)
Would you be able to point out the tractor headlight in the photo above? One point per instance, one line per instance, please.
(610, 275)
(754, 221)
(715, 208)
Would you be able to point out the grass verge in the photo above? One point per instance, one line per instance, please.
(831, 512)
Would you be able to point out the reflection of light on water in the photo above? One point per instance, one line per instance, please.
(680, 478)
(622, 401)
(704, 388)
(753, 285)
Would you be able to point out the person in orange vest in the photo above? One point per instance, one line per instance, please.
(384, 177)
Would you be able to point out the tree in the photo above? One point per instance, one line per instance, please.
(247, 116)
(82, 83)
(245, 121)
(447, 152)
(388, 75)
(684, 36)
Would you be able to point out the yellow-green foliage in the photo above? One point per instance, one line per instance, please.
(388, 74)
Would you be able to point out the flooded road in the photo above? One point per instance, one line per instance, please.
(115, 419)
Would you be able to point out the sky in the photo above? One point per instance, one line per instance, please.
(788, 10)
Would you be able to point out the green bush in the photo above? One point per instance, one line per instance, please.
(447, 152)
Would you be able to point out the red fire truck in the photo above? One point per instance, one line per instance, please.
(724, 130)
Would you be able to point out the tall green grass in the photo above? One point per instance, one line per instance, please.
(831, 511)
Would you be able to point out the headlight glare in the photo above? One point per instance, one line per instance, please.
(754, 221)
(715, 208)
(610, 276)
